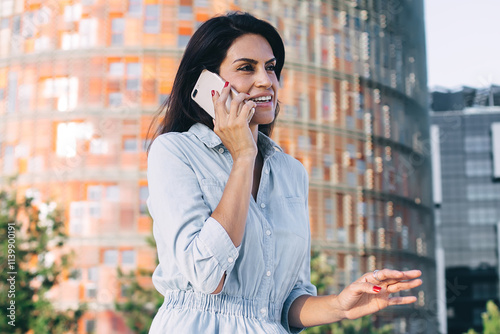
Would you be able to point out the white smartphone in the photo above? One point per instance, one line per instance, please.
(202, 91)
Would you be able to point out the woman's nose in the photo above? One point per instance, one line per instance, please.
(263, 79)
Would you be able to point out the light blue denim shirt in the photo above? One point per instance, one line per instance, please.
(187, 173)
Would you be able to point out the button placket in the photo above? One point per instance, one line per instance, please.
(268, 248)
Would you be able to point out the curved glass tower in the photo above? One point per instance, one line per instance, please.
(355, 115)
(81, 80)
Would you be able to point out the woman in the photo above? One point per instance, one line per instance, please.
(230, 208)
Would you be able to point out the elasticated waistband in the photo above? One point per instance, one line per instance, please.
(223, 304)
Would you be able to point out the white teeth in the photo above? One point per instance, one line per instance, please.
(262, 99)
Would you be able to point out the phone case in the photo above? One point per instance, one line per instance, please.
(202, 91)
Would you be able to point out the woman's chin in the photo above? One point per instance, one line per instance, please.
(260, 121)
(262, 118)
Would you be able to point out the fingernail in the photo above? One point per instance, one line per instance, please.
(213, 92)
(226, 84)
(377, 288)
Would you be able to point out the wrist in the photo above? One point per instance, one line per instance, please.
(336, 308)
(245, 157)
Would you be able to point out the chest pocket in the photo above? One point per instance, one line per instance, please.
(212, 192)
(294, 215)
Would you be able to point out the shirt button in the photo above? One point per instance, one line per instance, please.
(266, 171)
(262, 205)
(268, 273)
(268, 232)
(263, 310)
(230, 260)
(221, 150)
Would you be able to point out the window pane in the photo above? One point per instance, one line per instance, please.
(94, 193)
(477, 144)
(182, 40)
(113, 193)
(143, 193)
(478, 168)
(90, 326)
(133, 84)
(128, 257)
(143, 197)
(133, 69)
(482, 216)
(135, 6)
(115, 99)
(130, 145)
(93, 274)
(152, 10)
(118, 25)
(116, 69)
(152, 19)
(111, 257)
(117, 39)
(185, 13)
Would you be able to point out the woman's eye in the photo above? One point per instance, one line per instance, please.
(271, 68)
(245, 68)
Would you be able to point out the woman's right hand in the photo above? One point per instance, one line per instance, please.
(232, 128)
(232, 125)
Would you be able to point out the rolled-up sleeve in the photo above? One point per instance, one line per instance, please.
(303, 286)
(183, 229)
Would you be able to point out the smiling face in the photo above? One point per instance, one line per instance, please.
(249, 68)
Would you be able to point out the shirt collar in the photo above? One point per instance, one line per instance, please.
(266, 145)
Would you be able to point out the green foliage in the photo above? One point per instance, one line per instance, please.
(322, 277)
(321, 272)
(471, 331)
(491, 320)
(27, 237)
(362, 325)
(141, 301)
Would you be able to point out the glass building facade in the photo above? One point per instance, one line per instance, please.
(80, 81)
(468, 209)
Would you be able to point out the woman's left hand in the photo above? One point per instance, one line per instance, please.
(364, 297)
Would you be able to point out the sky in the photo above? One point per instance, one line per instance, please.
(463, 43)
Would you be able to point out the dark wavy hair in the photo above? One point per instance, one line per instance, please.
(206, 49)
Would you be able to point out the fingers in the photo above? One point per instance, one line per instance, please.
(219, 100)
(367, 288)
(248, 110)
(393, 281)
(402, 300)
(390, 276)
(393, 288)
(400, 286)
(241, 108)
(219, 107)
(237, 107)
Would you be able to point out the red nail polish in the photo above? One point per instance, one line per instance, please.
(213, 92)
(226, 84)
(377, 288)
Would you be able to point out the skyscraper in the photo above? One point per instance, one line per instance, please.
(466, 134)
(80, 81)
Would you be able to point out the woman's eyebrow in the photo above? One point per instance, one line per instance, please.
(253, 61)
